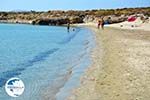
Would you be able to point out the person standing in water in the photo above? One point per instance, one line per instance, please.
(68, 26)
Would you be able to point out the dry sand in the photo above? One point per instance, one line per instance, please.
(120, 68)
(131, 26)
(138, 24)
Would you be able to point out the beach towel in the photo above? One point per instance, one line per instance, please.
(131, 19)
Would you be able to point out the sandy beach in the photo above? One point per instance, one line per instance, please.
(120, 68)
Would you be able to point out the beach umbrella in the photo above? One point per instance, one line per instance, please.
(131, 19)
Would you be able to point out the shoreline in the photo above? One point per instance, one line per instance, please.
(120, 68)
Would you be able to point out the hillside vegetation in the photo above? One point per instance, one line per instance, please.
(56, 16)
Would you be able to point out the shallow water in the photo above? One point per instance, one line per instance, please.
(48, 59)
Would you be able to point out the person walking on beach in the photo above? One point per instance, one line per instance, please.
(102, 23)
(99, 24)
(68, 26)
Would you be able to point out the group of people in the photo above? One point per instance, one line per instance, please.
(100, 24)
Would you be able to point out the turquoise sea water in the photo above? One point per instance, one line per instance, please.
(48, 59)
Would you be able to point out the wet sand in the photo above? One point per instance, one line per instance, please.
(120, 68)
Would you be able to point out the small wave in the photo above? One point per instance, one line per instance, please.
(56, 85)
(86, 42)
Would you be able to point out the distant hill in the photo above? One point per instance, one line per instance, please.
(75, 16)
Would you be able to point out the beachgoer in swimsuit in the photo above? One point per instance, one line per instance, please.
(68, 26)
(99, 23)
(102, 23)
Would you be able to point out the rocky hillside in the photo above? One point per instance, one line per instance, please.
(59, 17)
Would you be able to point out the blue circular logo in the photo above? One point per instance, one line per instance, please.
(14, 87)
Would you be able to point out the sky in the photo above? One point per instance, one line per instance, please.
(45, 5)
